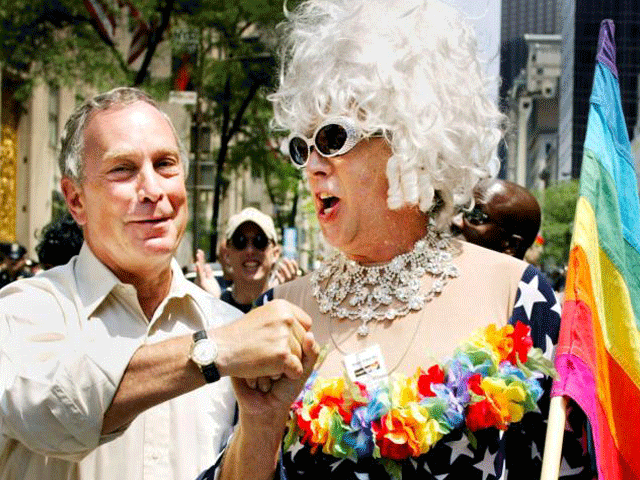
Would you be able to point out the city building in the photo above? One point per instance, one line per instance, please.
(28, 171)
(520, 18)
(530, 69)
(532, 106)
(580, 27)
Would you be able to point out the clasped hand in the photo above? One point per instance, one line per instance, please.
(270, 352)
(270, 341)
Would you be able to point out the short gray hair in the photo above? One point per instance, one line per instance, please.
(70, 159)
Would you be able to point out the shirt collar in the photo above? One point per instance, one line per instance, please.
(95, 281)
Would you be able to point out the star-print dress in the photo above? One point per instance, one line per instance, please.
(492, 454)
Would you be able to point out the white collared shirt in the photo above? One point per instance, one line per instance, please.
(66, 338)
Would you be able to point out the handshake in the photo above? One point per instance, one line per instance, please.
(269, 352)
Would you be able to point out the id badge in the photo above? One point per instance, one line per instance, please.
(367, 367)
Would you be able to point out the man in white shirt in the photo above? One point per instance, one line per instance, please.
(110, 365)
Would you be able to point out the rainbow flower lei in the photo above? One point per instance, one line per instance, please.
(491, 381)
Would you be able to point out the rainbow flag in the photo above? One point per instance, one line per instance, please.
(598, 354)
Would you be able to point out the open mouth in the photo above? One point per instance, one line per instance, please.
(327, 204)
(250, 268)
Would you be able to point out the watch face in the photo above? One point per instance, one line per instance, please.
(204, 352)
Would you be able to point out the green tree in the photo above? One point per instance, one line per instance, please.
(261, 151)
(59, 42)
(236, 69)
(558, 209)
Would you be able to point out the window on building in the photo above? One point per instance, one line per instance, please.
(54, 114)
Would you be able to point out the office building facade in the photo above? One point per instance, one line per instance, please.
(520, 18)
(580, 26)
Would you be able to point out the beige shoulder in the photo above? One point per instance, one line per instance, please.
(476, 258)
(293, 288)
(299, 292)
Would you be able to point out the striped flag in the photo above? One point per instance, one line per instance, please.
(140, 36)
(106, 23)
(598, 355)
(104, 19)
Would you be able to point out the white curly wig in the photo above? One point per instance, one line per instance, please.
(406, 67)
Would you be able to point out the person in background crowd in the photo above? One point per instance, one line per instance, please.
(227, 272)
(505, 218)
(437, 352)
(114, 366)
(60, 240)
(558, 278)
(206, 277)
(14, 263)
(252, 253)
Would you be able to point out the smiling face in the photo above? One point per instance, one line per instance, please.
(131, 201)
(250, 264)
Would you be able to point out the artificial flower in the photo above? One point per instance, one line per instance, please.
(481, 414)
(397, 434)
(434, 375)
(360, 436)
(507, 400)
(452, 407)
(522, 343)
(404, 390)
(500, 339)
(490, 382)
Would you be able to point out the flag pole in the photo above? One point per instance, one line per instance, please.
(553, 440)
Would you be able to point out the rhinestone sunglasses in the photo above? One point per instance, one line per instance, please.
(335, 136)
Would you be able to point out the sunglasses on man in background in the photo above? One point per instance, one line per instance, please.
(475, 216)
(240, 241)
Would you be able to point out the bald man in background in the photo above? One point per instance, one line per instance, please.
(505, 218)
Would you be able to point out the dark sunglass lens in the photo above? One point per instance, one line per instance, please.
(298, 150)
(239, 241)
(330, 139)
(476, 216)
(260, 241)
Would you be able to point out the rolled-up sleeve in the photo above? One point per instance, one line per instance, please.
(57, 377)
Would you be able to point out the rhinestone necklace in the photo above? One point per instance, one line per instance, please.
(345, 289)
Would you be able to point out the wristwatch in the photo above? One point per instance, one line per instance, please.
(204, 352)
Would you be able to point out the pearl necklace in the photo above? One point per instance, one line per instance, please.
(345, 289)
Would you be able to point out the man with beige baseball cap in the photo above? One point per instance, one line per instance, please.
(253, 215)
(252, 252)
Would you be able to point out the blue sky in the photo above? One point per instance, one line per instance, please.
(485, 15)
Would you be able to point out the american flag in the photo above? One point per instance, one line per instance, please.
(141, 34)
(106, 24)
(104, 19)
